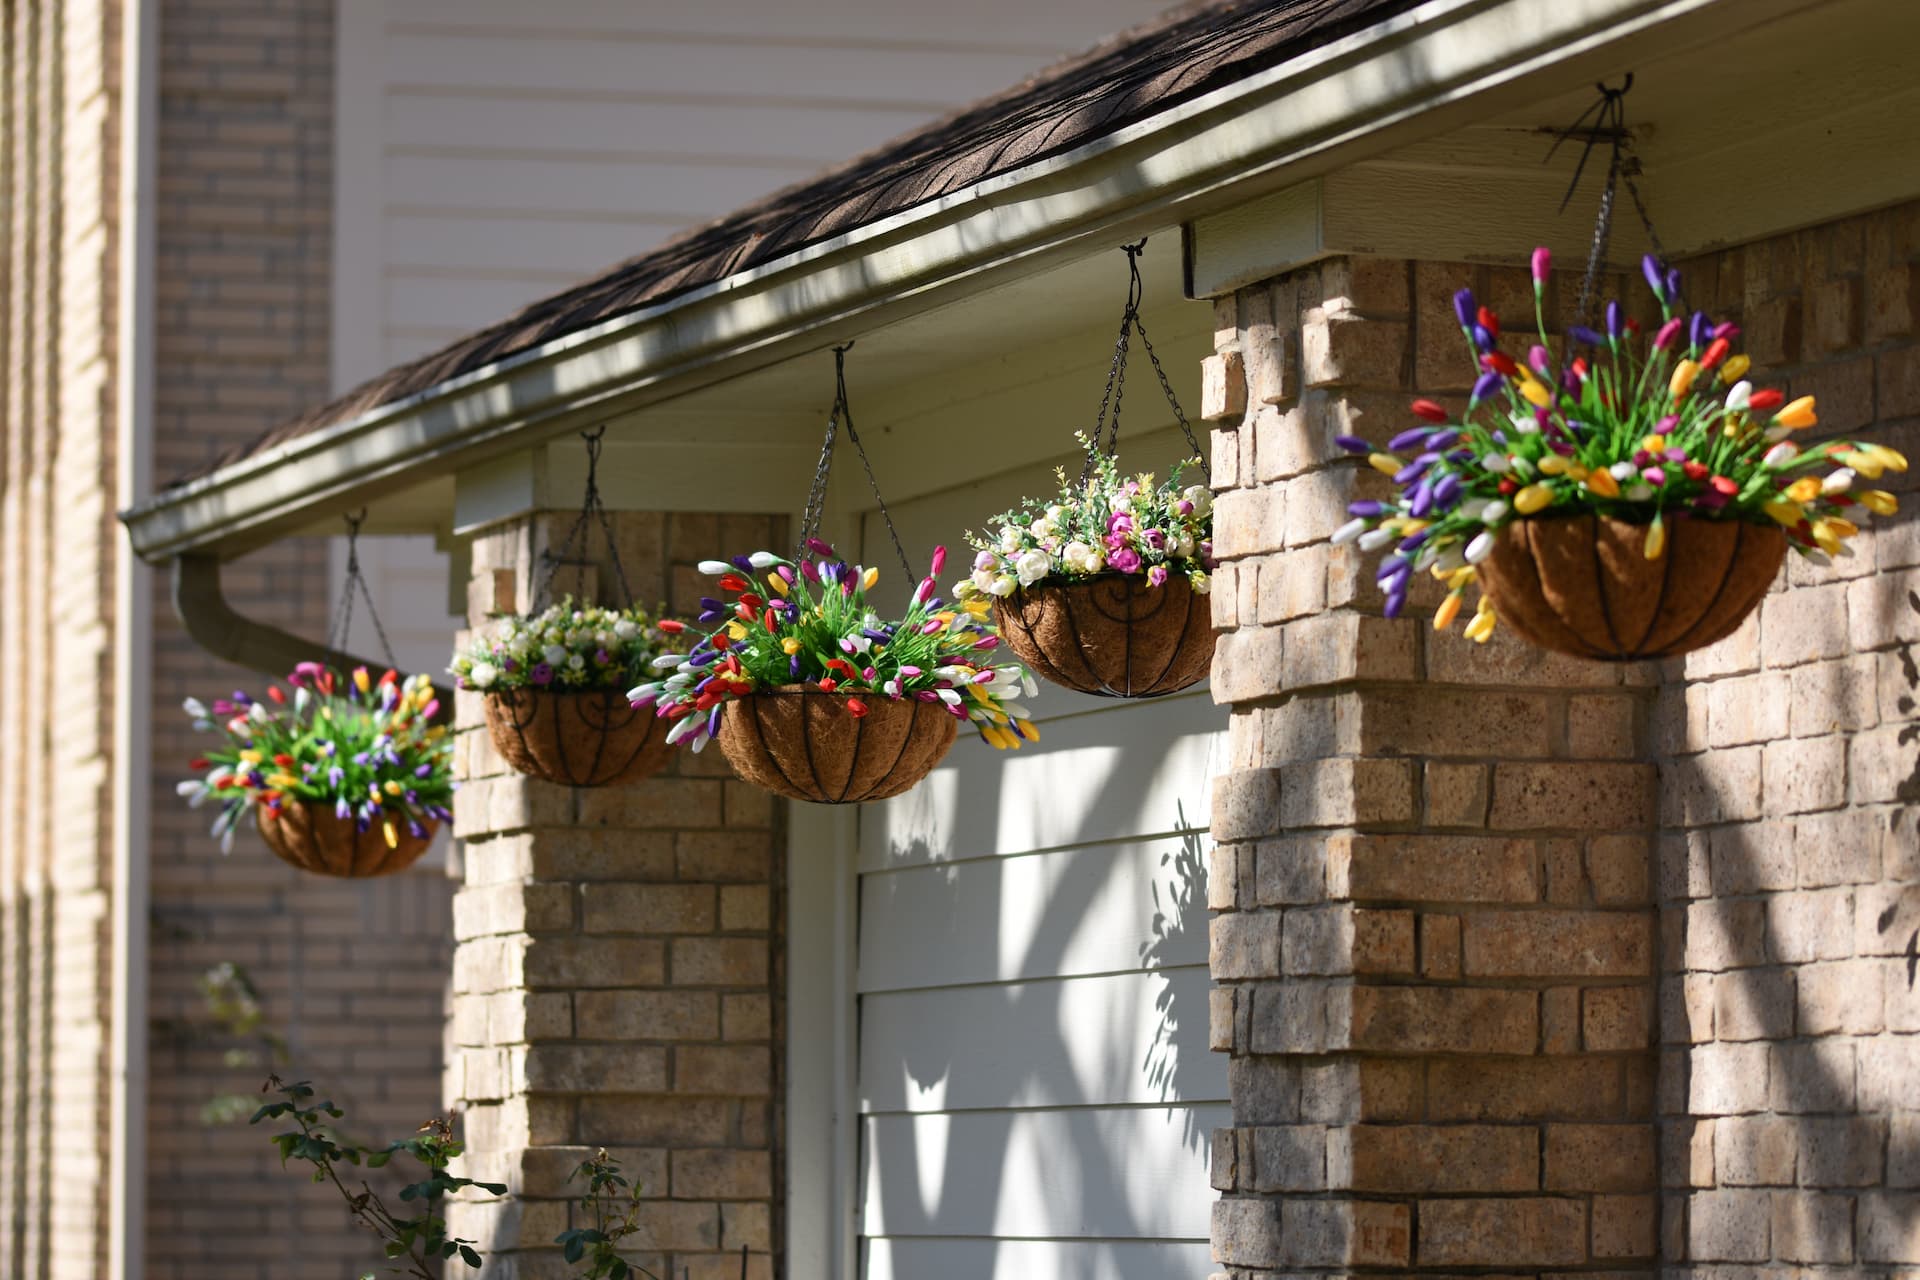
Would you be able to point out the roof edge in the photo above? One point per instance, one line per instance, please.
(1147, 174)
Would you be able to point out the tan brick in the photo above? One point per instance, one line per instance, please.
(1433, 868)
(1588, 797)
(1618, 869)
(1623, 1227)
(1411, 1159)
(579, 1068)
(1812, 1227)
(1754, 1004)
(1444, 1020)
(1244, 945)
(1602, 727)
(1457, 795)
(1728, 1079)
(1615, 1019)
(728, 962)
(1345, 351)
(1508, 1233)
(647, 1015)
(1524, 1089)
(1346, 792)
(1549, 943)
(1439, 946)
(1223, 387)
(722, 1175)
(1749, 709)
(1729, 1226)
(1289, 1158)
(742, 1071)
(1806, 774)
(1599, 1157)
(572, 962)
(1324, 1233)
(648, 908)
(1560, 1020)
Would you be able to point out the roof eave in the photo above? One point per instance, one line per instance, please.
(1287, 122)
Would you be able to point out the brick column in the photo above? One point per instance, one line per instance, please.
(619, 968)
(1434, 948)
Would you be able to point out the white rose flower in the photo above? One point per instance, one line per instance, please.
(1044, 528)
(626, 629)
(1122, 503)
(1181, 546)
(1004, 585)
(1200, 496)
(1200, 582)
(576, 662)
(1033, 566)
(1009, 538)
(555, 655)
(982, 580)
(483, 675)
(1082, 558)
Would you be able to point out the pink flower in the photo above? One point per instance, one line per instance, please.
(1125, 559)
(1157, 539)
(1157, 575)
(1120, 522)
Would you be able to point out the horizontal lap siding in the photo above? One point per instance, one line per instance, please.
(1035, 1084)
(522, 150)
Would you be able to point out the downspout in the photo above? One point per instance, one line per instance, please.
(133, 647)
(216, 626)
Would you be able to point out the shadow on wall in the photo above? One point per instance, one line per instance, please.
(1902, 915)
(1022, 1102)
(1175, 1061)
(1790, 998)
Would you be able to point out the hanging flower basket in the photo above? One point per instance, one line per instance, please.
(1628, 498)
(801, 743)
(815, 697)
(554, 686)
(313, 838)
(345, 776)
(1103, 590)
(1582, 585)
(579, 739)
(1116, 635)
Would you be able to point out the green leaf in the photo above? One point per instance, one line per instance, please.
(492, 1188)
(469, 1255)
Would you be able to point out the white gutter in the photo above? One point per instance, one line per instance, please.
(132, 650)
(1407, 76)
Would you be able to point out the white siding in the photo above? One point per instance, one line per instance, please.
(1034, 1082)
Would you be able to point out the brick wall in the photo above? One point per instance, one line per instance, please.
(1438, 970)
(1434, 945)
(353, 974)
(57, 372)
(1790, 1078)
(620, 971)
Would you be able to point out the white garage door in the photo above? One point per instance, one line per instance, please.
(1034, 1084)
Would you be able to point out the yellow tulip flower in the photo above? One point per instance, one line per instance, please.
(1385, 463)
(1449, 610)
(1784, 512)
(1798, 414)
(1682, 380)
(1603, 483)
(1735, 369)
(1532, 498)
(1656, 541)
(1878, 501)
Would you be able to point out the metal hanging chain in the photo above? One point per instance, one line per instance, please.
(842, 412)
(1106, 429)
(1608, 115)
(340, 629)
(591, 508)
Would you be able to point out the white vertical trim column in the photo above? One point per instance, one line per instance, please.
(823, 1115)
(132, 646)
